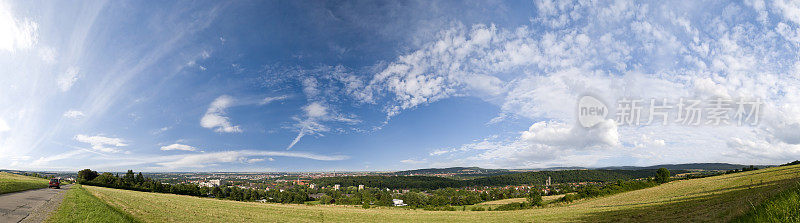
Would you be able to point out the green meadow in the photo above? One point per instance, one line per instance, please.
(718, 198)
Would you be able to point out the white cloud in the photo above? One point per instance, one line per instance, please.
(315, 110)
(309, 126)
(268, 100)
(215, 118)
(18, 34)
(102, 143)
(254, 160)
(315, 114)
(48, 54)
(765, 151)
(574, 137)
(177, 146)
(42, 161)
(4, 126)
(74, 114)
(161, 130)
(68, 78)
(648, 142)
(789, 9)
(412, 161)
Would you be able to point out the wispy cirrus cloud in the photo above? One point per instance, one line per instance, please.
(68, 78)
(74, 114)
(102, 143)
(241, 156)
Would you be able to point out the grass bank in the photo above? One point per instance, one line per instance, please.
(784, 207)
(13, 183)
(81, 206)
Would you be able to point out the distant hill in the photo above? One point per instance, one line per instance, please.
(565, 176)
(481, 172)
(452, 170)
(687, 166)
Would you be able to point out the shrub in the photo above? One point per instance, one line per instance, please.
(568, 198)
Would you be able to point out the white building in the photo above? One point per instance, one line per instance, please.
(360, 187)
(398, 202)
(312, 186)
(210, 183)
(336, 187)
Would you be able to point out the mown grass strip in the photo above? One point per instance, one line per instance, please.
(783, 207)
(13, 183)
(81, 206)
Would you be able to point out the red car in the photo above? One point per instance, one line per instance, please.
(55, 183)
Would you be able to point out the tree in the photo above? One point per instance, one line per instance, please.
(86, 175)
(216, 192)
(534, 198)
(325, 199)
(662, 175)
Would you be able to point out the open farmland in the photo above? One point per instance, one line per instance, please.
(719, 198)
(13, 183)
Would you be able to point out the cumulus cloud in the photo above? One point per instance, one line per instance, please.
(177, 146)
(102, 143)
(619, 49)
(74, 114)
(215, 118)
(571, 136)
(761, 149)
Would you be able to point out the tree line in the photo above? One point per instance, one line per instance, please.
(300, 194)
(132, 181)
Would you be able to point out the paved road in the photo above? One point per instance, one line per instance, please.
(31, 205)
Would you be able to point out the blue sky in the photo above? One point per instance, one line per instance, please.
(385, 85)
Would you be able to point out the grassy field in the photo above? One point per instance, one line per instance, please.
(80, 206)
(780, 208)
(719, 198)
(13, 183)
